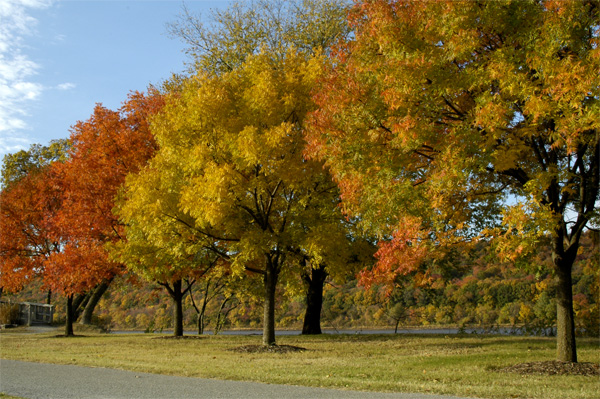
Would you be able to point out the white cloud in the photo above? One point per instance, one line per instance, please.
(10, 143)
(66, 86)
(17, 86)
(59, 38)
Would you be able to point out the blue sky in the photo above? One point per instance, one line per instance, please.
(59, 58)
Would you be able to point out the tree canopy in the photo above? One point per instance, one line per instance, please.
(249, 27)
(28, 202)
(230, 176)
(443, 122)
(17, 165)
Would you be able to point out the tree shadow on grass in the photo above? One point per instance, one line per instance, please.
(68, 336)
(268, 349)
(554, 367)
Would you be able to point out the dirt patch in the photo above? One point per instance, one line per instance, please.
(268, 349)
(181, 337)
(554, 367)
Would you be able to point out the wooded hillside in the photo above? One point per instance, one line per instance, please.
(481, 292)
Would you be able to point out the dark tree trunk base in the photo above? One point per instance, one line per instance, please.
(565, 319)
(70, 317)
(314, 301)
(270, 281)
(177, 293)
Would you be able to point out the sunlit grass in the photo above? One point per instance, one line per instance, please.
(5, 396)
(456, 365)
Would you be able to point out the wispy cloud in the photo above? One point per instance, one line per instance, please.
(66, 86)
(17, 84)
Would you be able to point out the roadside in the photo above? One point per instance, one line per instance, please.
(51, 381)
(460, 365)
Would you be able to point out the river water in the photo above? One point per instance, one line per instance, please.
(442, 331)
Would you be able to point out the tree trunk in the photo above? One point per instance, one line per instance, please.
(86, 317)
(200, 324)
(49, 297)
(270, 281)
(314, 300)
(177, 293)
(70, 317)
(178, 299)
(221, 317)
(566, 348)
(178, 331)
(79, 301)
(219, 323)
(202, 313)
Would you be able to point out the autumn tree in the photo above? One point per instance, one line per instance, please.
(161, 244)
(59, 214)
(105, 148)
(248, 27)
(272, 27)
(26, 204)
(447, 121)
(32, 243)
(230, 176)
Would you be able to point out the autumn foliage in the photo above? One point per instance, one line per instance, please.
(105, 148)
(58, 217)
(27, 241)
(433, 129)
(448, 111)
(230, 179)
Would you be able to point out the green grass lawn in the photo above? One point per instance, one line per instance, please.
(457, 365)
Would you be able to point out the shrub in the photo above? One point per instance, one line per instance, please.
(9, 313)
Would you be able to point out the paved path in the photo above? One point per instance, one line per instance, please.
(51, 381)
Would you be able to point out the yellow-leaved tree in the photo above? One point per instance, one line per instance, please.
(161, 244)
(223, 42)
(230, 177)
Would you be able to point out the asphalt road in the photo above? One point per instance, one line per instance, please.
(51, 381)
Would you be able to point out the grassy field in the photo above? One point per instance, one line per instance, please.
(459, 365)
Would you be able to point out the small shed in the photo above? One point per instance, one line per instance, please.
(35, 313)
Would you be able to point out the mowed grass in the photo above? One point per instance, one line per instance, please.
(458, 365)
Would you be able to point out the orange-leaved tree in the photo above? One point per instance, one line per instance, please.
(27, 204)
(447, 121)
(105, 148)
(32, 242)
